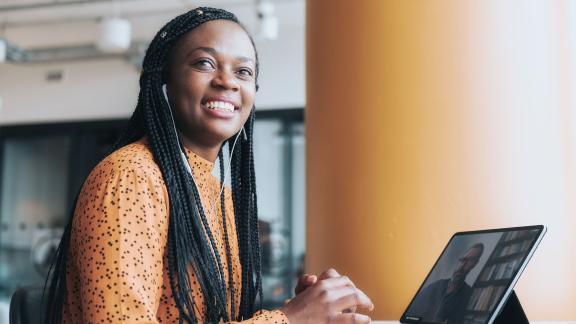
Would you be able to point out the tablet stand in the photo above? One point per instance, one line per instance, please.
(512, 312)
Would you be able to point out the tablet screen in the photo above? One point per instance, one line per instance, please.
(474, 273)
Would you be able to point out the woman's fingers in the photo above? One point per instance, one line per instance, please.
(310, 279)
(333, 299)
(351, 318)
(330, 273)
(345, 299)
(342, 295)
(337, 282)
(304, 282)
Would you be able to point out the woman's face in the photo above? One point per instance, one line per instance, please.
(212, 82)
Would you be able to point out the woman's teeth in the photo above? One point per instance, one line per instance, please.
(220, 105)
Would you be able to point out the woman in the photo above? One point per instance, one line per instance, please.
(155, 238)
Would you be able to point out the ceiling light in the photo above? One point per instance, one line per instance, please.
(3, 50)
(268, 21)
(114, 35)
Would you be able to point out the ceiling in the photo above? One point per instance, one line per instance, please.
(56, 23)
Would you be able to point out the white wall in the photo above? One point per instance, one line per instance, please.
(107, 89)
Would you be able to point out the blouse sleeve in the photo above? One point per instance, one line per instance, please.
(267, 317)
(119, 233)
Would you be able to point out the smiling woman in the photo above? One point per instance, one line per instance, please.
(154, 237)
(212, 84)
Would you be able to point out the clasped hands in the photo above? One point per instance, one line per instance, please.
(327, 298)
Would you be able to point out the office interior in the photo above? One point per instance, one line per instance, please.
(383, 127)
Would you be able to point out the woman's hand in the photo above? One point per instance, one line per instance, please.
(305, 281)
(327, 300)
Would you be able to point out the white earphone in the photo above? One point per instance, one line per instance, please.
(183, 153)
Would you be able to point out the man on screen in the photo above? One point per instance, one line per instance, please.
(445, 300)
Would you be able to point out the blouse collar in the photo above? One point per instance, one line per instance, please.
(200, 166)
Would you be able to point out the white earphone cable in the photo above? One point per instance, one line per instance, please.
(185, 158)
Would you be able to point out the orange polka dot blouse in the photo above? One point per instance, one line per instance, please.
(117, 270)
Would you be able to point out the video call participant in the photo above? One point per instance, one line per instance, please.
(446, 299)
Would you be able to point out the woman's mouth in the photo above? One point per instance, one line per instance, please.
(220, 107)
(220, 104)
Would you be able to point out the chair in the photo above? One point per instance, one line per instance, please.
(26, 306)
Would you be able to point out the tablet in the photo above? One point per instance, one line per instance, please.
(473, 277)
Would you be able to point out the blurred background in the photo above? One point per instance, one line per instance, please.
(383, 127)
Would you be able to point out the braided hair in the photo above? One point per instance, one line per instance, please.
(188, 230)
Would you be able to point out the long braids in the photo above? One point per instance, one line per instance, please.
(245, 208)
(187, 248)
(226, 238)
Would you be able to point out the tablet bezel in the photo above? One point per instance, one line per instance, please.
(542, 230)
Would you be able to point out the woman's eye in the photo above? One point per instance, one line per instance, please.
(207, 64)
(245, 72)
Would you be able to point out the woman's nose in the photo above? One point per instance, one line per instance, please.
(225, 80)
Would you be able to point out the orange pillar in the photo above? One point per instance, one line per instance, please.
(428, 117)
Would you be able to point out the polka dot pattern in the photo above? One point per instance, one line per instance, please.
(117, 270)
